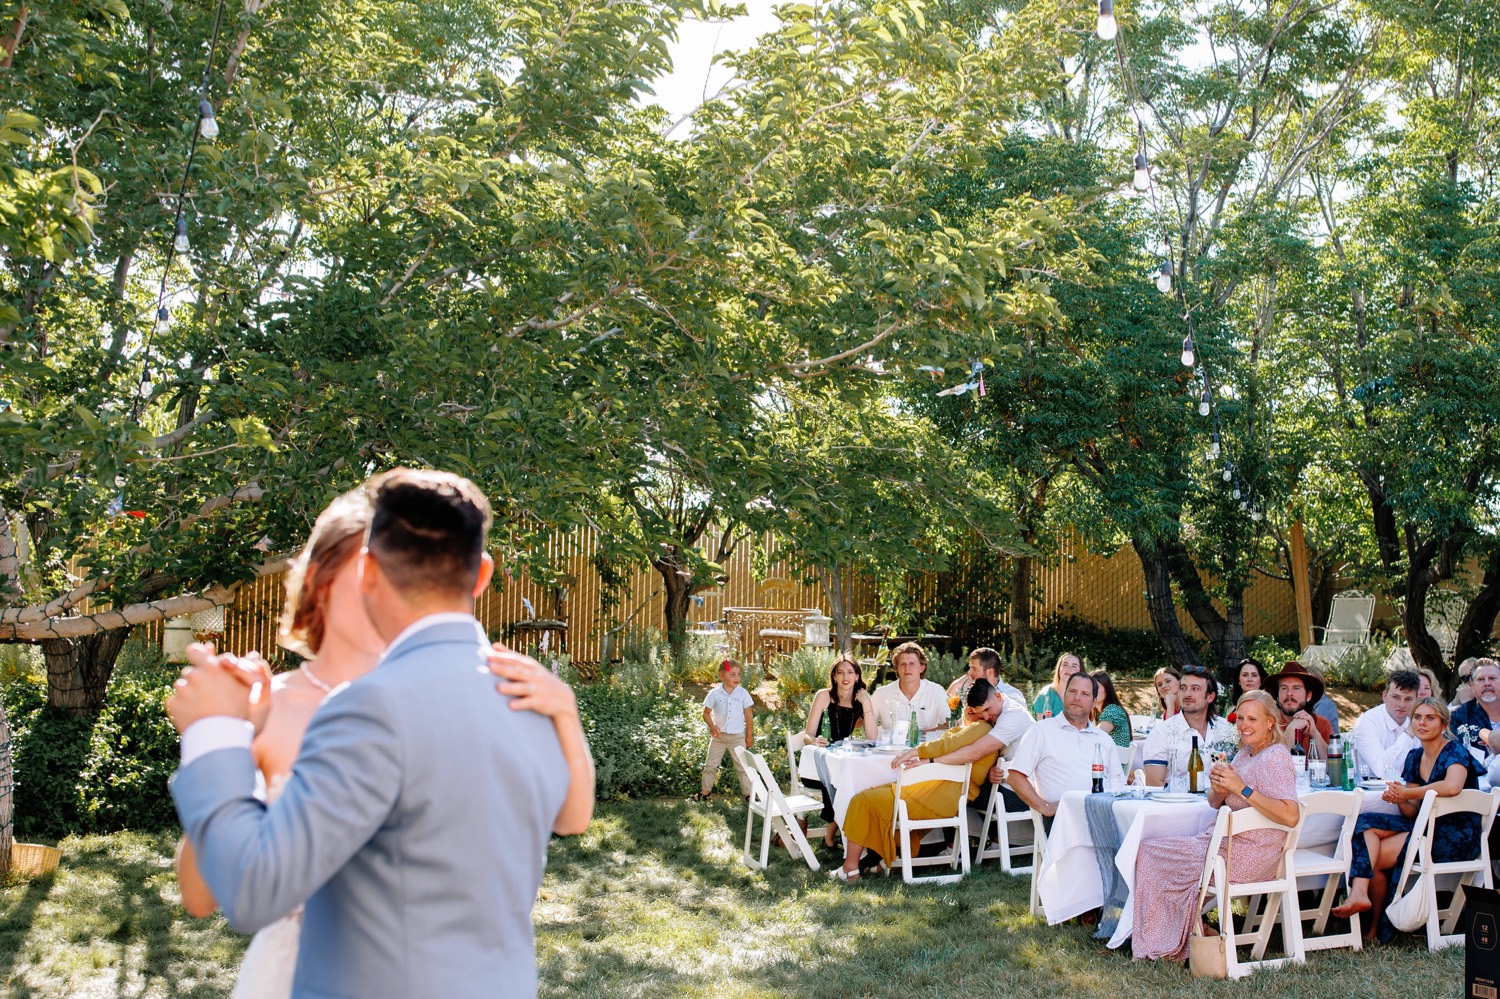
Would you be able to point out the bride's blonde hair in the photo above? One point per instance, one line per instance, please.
(337, 536)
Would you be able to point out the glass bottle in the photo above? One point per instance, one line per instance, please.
(1098, 771)
(1194, 767)
(913, 734)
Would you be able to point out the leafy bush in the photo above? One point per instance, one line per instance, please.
(1362, 668)
(95, 773)
(1120, 651)
(944, 668)
(645, 743)
(800, 676)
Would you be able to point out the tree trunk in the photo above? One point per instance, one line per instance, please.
(677, 584)
(1225, 632)
(1159, 603)
(838, 584)
(1020, 605)
(78, 669)
(1479, 620)
(7, 793)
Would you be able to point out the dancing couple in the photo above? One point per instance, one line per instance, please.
(397, 840)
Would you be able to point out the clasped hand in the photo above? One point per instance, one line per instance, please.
(220, 685)
(1225, 779)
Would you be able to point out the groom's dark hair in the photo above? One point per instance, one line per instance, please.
(428, 529)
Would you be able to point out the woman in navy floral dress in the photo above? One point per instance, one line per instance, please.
(1380, 840)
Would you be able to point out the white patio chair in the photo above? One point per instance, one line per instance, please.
(1008, 843)
(1348, 627)
(796, 740)
(1124, 753)
(778, 813)
(1280, 893)
(1330, 863)
(1038, 860)
(1442, 923)
(904, 825)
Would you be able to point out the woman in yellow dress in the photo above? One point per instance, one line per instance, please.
(868, 823)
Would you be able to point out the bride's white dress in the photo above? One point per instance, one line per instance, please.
(271, 960)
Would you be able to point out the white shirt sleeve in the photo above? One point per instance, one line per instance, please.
(1389, 762)
(1366, 736)
(1158, 746)
(206, 735)
(1028, 754)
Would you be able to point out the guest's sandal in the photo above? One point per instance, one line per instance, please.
(839, 874)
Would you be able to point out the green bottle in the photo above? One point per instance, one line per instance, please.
(828, 724)
(913, 735)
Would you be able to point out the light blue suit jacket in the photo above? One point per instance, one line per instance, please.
(414, 827)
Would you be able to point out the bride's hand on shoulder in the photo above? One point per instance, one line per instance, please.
(530, 685)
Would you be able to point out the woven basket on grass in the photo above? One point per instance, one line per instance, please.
(30, 860)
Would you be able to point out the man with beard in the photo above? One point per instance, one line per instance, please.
(1295, 689)
(1477, 722)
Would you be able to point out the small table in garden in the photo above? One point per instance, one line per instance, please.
(849, 772)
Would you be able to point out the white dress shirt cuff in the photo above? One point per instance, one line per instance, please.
(206, 735)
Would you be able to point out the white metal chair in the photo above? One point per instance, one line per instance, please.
(1348, 627)
(904, 825)
(1008, 844)
(796, 740)
(1330, 863)
(1280, 893)
(1442, 923)
(1038, 860)
(778, 813)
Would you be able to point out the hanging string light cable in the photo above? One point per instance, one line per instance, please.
(206, 126)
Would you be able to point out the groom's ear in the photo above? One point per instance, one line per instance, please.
(486, 571)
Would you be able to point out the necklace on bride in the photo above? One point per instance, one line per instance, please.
(314, 679)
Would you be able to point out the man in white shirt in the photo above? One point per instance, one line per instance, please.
(1170, 742)
(1057, 753)
(984, 663)
(1384, 725)
(912, 691)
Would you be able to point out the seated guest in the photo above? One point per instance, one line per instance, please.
(1294, 689)
(984, 664)
(1171, 742)
(1049, 702)
(844, 706)
(868, 822)
(1167, 869)
(1379, 845)
(1251, 675)
(1057, 755)
(1478, 721)
(1465, 692)
(1323, 706)
(911, 691)
(1109, 716)
(1427, 684)
(1166, 682)
(1384, 726)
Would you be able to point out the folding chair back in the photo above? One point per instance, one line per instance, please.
(1349, 617)
(904, 825)
(1280, 891)
(1328, 864)
(778, 813)
(1007, 842)
(1441, 923)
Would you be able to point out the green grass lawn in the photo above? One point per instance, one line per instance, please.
(653, 901)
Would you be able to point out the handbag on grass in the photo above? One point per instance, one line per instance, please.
(1206, 957)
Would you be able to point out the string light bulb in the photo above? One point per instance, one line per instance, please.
(1108, 27)
(1213, 447)
(1228, 474)
(1142, 179)
(1205, 402)
(1236, 493)
(208, 125)
(1164, 277)
(162, 315)
(1257, 516)
(180, 243)
(1188, 355)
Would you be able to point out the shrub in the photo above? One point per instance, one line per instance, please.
(1362, 668)
(645, 742)
(800, 676)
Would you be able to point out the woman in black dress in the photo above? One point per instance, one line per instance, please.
(836, 712)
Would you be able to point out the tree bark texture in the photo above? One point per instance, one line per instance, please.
(1160, 605)
(78, 669)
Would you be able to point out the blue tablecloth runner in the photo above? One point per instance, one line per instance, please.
(1099, 810)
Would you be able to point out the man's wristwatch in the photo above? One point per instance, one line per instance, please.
(1247, 790)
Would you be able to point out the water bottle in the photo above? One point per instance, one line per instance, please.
(913, 734)
(828, 723)
(1098, 773)
(1351, 769)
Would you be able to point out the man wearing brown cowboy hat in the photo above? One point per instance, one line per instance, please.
(1295, 688)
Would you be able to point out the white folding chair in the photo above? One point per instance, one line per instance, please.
(1330, 863)
(796, 739)
(1442, 923)
(1007, 842)
(1124, 753)
(904, 825)
(1280, 892)
(778, 813)
(1038, 860)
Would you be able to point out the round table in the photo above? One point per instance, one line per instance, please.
(849, 771)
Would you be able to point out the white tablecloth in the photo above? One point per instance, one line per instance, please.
(1069, 883)
(851, 773)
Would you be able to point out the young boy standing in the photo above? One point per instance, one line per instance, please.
(728, 713)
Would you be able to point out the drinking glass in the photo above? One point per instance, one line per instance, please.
(1177, 784)
(1317, 773)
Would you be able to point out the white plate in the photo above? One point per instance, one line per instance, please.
(1169, 796)
(892, 750)
(1372, 785)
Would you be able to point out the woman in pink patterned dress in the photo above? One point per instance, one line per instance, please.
(1167, 870)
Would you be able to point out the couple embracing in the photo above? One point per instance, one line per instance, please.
(408, 802)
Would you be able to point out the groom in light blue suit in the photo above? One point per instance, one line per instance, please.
(415, 823)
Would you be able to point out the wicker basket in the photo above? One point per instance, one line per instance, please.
(31, 860)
